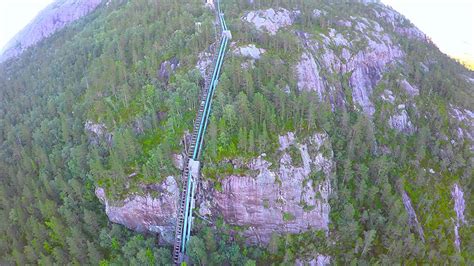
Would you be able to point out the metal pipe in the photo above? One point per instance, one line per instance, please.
(219, 69)
(207, 100)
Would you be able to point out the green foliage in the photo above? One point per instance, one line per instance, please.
(288, 216)
(91, 71)
(214, 246)
(104, 69)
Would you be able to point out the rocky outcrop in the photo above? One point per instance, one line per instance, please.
(401, 121)
(249, 51)
(271, 20)
(365, 66)
(412, 219)
(289, 199)
(398, 23)
(459, 207)
(319, 260)
(387, 96)
(167, 68)
(53, 18)
(210, 4)
(409, 89)
(465, 120)
(318, 13)
(308, 75)
(178, 161)
(97, 133)
(205, 60)
(144, 213)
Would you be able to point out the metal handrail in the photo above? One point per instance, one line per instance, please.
(184, 222)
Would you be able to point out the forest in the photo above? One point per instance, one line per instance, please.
(105, 68)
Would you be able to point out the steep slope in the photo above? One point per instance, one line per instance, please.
(53, 18)
(339, 134)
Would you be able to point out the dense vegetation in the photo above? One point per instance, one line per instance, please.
(104, 69)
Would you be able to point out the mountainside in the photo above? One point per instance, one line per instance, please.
(53, 18)
(339, 134)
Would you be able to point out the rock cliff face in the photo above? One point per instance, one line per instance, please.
(365, 58)
(465, 120)
(290, 199)
(413, 219)
(250, 51)
(459, 207)
(55, 17)
(308, 75)
(291, 195)
(144, 213)
(97, 133)
(271, 20)
(400, 121)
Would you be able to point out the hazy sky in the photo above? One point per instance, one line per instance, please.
(450, 23)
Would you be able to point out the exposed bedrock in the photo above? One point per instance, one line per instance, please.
(290, 199)
(144, 213)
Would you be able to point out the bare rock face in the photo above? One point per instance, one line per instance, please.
(366, 66)
(398, 23)
(465, 119)
(146, 213)
(401, 121)
(319, 260)
(55, 17)
(459, 207)
(97, 133)
(412, 218)
(204, 63)
(308, 75)
(289, 199)
(409, 89)
(210, 4)
(387, 96)
(250, 51)
(271, 20)
(178, 161)
(167, 68)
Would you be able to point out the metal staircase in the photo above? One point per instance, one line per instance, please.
(191, 166)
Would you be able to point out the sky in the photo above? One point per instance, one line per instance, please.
(449, 23)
